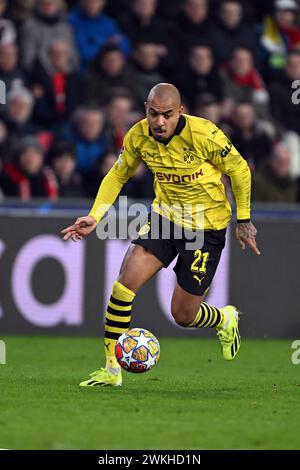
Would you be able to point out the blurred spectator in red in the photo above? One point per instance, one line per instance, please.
(249, 137)
(109, 71)
(278, 34)
(28, 177)
(119, 119)
(93, 29)
(86, 131)
(243, 82)
(273, 183)
(200, 76)
(63, 161)
(145, 70)
(10, 72)
(285, 109)
(47, 24)
(55, 88)
(230, 31)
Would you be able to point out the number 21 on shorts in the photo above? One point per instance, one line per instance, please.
(200, 262)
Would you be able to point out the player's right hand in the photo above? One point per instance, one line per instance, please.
(82, 227)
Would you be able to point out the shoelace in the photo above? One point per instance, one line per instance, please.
(225, 337)
(96, 372)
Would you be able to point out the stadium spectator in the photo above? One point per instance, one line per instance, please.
(200, 76)
(28, 177)
(194, 24)
(278, 34)
(252, 141)
(17, 117)
(8, 33)
(145, 69)
(140, 186)
(143, 25)
(119, 119)
(10, 72)
(63, 161)
(3, 143)
(21, 10)
(55, 88)
(113, 7)
(208, 107)
(284, 109)
(47, 24)
(108, 72)
(230, 31)
(93, 29)
(86, 132)
(273, 183)
(98, 171)
(243, 82)
(169, 9)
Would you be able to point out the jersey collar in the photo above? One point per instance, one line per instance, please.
(180, 126)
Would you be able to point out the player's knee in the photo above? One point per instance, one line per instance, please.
(183, 315)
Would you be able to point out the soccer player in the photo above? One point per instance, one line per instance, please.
(188, 156)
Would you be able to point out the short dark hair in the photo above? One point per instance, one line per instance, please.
(61, 148)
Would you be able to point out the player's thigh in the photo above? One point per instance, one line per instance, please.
(138, 266)
(184, 305)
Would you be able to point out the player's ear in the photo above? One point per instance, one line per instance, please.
(145, 104)
(181, 109)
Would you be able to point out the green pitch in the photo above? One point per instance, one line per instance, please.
(191, 400)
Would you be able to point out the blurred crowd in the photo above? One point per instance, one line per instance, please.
(77, 74)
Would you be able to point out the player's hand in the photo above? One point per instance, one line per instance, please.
(246, 235)
(83, 226)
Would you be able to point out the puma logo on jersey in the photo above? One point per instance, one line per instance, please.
(197, 279)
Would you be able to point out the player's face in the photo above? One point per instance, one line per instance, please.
(163, 117)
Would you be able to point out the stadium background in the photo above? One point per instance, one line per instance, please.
(75, 83)
(76, 76)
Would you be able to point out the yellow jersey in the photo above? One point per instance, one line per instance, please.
(187, 171)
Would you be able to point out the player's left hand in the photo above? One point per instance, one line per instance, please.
(246, 235)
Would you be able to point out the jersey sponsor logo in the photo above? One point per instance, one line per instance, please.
(226, 149)
(173, 178)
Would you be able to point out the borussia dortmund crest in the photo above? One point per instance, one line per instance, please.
(188, 156)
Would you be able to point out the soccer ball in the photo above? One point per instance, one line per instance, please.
(137, 350)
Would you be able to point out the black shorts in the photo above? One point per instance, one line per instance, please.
(195, 267)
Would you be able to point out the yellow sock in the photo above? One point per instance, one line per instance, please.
(117, 320)
(208, 317)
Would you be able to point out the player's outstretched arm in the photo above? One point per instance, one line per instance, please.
(82, 227)
(246, 235)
